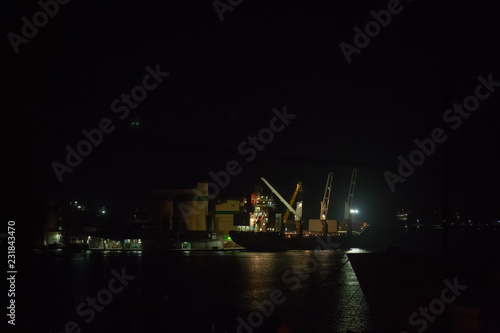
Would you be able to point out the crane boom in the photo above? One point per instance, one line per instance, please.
(285, 217)
(279, 196)
(326, 197)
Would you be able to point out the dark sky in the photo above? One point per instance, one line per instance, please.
(225, 79)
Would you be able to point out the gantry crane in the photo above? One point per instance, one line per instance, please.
(325, 203)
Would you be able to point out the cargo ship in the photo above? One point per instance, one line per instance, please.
(260, 229)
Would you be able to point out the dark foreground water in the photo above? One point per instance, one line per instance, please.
(197, 291)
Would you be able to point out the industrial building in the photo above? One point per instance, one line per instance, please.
(193, 218)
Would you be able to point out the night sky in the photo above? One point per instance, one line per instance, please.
(225, 79)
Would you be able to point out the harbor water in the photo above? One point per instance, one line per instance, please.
(196, 291)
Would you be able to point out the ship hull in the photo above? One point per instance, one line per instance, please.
(274, 242)
(258, 241)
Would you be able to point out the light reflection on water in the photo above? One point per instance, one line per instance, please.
(216, 286)
(358, 250)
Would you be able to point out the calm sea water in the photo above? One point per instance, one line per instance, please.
(198, 291)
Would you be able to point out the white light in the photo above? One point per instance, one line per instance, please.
(354, 211)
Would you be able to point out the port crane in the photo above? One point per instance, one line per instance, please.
(298, 212)
(348, 203)
(325, 203)
(285, 216)
(350, 195)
